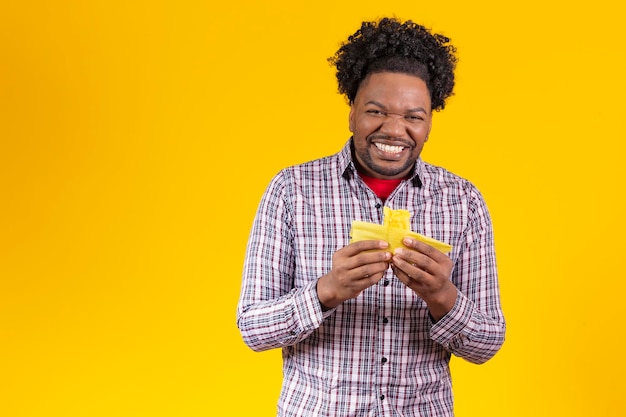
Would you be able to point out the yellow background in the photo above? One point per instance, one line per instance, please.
(136, 139)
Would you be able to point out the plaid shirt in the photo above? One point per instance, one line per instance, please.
(379, 354)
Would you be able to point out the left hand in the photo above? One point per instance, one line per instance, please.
(427, 272)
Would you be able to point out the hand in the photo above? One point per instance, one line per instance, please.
(427, 272)
(354, 268)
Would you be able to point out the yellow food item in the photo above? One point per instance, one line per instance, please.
(396, 226)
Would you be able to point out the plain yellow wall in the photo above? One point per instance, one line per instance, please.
(136, 138)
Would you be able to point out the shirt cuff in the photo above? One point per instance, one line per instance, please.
(452, 324)
(309, 310)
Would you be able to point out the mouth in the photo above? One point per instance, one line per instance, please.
(392, 152)
(392, 149)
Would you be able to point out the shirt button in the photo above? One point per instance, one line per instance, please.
(386, 282)
(377, 205)
(382, 397)
(385, 320)
(384, 360)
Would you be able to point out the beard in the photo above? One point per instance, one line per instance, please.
(364, 157)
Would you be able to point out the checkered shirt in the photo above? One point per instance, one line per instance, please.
(379, 354)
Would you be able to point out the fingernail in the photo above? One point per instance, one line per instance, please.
(408, 241)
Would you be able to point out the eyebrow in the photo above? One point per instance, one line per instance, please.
(413, 110)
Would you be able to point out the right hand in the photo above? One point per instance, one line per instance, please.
(354, 268)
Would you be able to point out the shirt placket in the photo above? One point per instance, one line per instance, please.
(388, 289)
(384, 339)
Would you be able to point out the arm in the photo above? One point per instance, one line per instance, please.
(276, 310)
(474, 328)
(273, 313)
(463, 297)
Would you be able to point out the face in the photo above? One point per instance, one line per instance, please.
(390, 120)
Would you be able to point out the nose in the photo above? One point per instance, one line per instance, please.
(393, 125)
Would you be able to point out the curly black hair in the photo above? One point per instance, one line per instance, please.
(392, 46)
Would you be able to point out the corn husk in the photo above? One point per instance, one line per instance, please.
(395, 227)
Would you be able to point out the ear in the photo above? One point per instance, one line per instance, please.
(351, 119)
(430, 125)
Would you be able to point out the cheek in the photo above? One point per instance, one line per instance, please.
(365, 126)
(420, 134)
(417, 150)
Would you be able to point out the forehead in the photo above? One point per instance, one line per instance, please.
(393, 89)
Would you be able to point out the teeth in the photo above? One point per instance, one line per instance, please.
(389, 148)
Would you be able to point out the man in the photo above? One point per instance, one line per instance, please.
(367, 332)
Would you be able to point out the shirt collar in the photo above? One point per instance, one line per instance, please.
(348, 169)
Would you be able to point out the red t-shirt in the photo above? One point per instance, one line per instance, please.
(381, 187)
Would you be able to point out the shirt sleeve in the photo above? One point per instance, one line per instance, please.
(272, 312)
(475, 327)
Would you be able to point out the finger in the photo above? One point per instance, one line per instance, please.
(405, 277)
(382, 258)
(427, 258)
(414, 264)
(423, 248)
(413, 258)
(369, 280)
(374, 270)
(366, 245)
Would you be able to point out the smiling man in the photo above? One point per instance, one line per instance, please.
(390, 120)
(364, 331)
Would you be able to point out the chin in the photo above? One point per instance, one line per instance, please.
(390, 173)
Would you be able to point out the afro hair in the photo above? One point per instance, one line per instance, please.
(392, 46)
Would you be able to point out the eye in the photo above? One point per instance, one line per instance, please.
(413, 118)
(375, 112)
